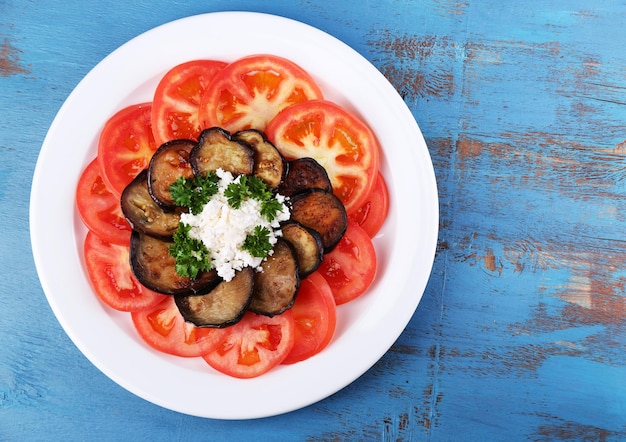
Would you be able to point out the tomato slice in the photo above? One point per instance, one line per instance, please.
(108, 268)
(338, 140)
(254, 345)
(126, 146)
(250, 91)
(315, 316)
(350, 268)
(164, 329)
(176, 103)
(99, 209)
(373, 212)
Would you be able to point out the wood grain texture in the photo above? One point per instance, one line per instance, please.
(521, 333)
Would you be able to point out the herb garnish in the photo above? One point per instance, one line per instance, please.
(253, 187)
(258, 242)
(192, 257)
(271, 208)
(195, 192)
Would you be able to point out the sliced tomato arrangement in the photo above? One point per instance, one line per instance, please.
(350, 267)
(126, 145)
(253, 346)
(163, 328)
(99, 208)
(176, 102)
(315, 317)
(338, 140)
(275, 96)
(108, 268)
(251, 91)
(373, 212)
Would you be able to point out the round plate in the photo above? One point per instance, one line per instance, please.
(366, 327)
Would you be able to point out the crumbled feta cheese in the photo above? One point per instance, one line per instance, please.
(224, 229)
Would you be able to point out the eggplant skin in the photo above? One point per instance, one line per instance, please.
(223, 306)
(154, 267)
(143, 213)
(277, 284)
(307, 244)
(216, 149)
(168, 163)
(269, 164)
(304, 174)
(323, 212)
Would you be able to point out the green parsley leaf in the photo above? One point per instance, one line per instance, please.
(181, 191)
(195, 192)
(237, 191)
(270, 208)
(258, 189)
(258, 242)
(192, 256)
(252, 187)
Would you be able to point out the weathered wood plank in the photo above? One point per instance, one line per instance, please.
(521, 333)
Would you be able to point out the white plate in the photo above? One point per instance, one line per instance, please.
(367, 327)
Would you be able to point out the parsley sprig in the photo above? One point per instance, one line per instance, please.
(258, 242)
(270, 209)
(192, 256)
(253, 187)
(195, 192)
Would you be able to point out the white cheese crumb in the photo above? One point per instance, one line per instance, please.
(224, 229)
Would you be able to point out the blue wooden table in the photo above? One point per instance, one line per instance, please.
(521, 332)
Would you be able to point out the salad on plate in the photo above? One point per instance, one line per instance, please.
(233, 213)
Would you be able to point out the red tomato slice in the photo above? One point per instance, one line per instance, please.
(126, 146)
(164, 329)
(250, 91)
(315, 316)
(99, 209)
(254, 345)
(350, 268)
(338, 140)
(176, 103)
(108, 268)
(372, 214)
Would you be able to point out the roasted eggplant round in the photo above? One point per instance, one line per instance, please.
(276, 285)
(216, 149)
(307, 243)
(169, 162)
(223, 306)
(155, 268)
(269, 164)
(323, 212)
(304, 174)
(143, 213)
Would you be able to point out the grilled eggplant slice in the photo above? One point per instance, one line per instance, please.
(154, 267)
(304, 174)
(223, 306)
(323, 212)
(169, 162)
(276, 286)
(269, 164)
(217, 150)
(307, 244)
(143, 213)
